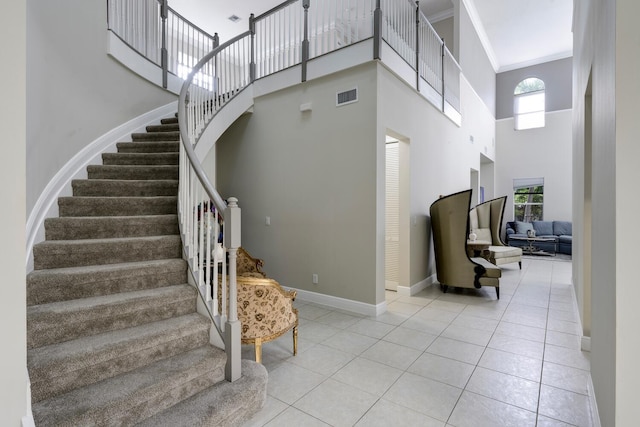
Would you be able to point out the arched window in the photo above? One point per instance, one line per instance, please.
(528, 104)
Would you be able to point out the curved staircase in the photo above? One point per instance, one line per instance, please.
(113, 335)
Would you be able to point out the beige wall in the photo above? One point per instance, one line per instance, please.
(314, 174)
(13, 386)
(319, 176)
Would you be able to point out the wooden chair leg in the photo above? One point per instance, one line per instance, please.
(295, 340)
(520, 264)
(258, 345)
(498, 292)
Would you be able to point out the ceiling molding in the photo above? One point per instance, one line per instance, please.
(440, 16)
(536, 61)
(482, 34)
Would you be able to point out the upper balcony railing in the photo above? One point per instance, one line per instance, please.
(289, 35)
(160, 34)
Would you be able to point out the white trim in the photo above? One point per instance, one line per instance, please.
(75, 168)
(341, 303)
(595, 415)
(417, 287)
(482, 34)
(536, 61)
(440, 16)
(27, 420)
(546, 113)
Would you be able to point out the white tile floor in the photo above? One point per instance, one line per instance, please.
(456, 359)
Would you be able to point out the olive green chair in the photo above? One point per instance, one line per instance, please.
(485, 221)
(450, 225)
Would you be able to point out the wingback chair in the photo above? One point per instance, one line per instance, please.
(450, 225)
(485, 220)
(265, 309)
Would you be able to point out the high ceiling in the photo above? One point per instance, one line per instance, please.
(516, 33)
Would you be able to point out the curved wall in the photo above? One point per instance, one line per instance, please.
(75, 92)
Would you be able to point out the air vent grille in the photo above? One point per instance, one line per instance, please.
(347, 97)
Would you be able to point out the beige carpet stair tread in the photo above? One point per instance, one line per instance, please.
(59, 284)
(65, 320)
(227, 404)
(58, 368)
(73, 253)
(140, 159)
(124, 187)
(117, 206)
(148, 147)
(102, 227)
(128, 398)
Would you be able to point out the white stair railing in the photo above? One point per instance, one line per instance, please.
(211, 226)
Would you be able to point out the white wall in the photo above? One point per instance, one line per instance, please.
(606, 37)
(75, 92)
(537, 153)
(627, 153)
(474, 60)
(13, 369)
(441, 154)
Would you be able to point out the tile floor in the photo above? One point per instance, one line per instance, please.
(457, 359)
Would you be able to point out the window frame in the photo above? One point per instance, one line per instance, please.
(534, 187)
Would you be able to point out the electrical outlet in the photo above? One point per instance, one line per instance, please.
(267, 221)
(314, 278)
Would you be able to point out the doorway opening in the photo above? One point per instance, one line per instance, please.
(474, 184)
(396, 247)
(587, 222)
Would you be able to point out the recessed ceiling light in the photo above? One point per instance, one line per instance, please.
(234, 18)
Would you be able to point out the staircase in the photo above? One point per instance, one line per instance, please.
(113, 336)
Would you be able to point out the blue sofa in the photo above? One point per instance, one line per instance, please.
(561, 231)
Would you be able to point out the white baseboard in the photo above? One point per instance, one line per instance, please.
(341, 303)
(75, 168)
(417, 287)
(585, 343)
(595, 415)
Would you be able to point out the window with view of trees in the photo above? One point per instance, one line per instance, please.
(529, 104)
(528, 198)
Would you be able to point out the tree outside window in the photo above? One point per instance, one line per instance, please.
(528, 200)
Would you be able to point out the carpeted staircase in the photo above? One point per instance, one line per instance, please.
(113, 335)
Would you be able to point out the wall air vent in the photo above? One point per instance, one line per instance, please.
(347, 97)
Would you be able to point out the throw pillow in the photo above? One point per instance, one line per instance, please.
(561, 228)
(483, 234)
(543, 228)
(522, 227)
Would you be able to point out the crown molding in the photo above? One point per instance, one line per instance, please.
(482, 34)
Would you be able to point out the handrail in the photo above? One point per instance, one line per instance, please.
(182, 118)
(275, 9)
(213, 81)
(159, 33)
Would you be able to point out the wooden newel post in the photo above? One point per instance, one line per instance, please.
(232, 233)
